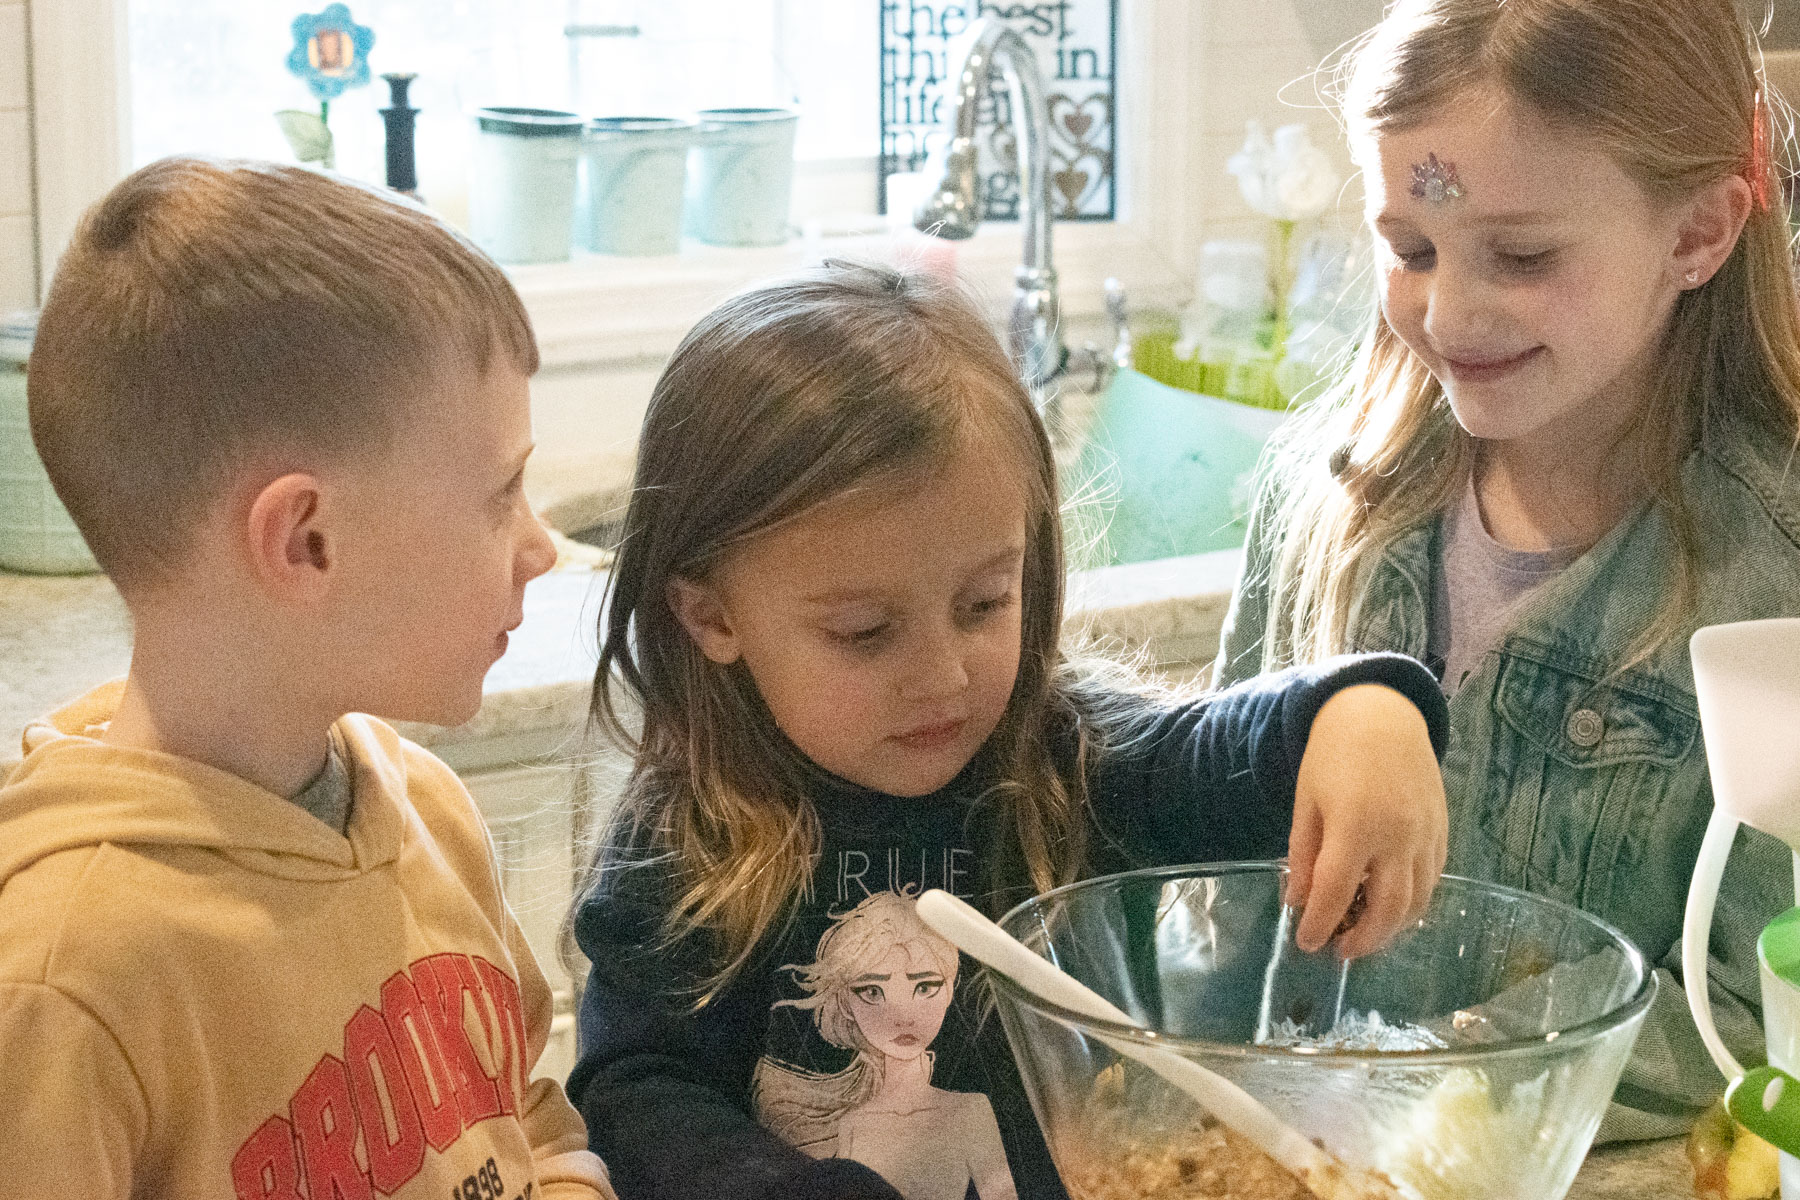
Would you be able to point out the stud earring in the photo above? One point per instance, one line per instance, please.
(1693, 276)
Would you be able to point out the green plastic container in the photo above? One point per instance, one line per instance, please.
(36, 533)
(1766, 1100)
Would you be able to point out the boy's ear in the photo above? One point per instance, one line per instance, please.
(698, 607)
(1709, 229)
(290, 551)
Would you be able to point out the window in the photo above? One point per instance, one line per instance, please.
(208, 75)
(87, 78)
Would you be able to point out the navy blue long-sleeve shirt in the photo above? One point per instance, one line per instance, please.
(851, 1058)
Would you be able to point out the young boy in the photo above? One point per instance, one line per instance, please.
(251, 945)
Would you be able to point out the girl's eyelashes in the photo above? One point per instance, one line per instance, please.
(1517, 262)
(862, 638)
(1414, 258)
(991, 606)
(1525, 262)
(872, 634)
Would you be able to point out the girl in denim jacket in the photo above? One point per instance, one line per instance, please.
(1565, 444)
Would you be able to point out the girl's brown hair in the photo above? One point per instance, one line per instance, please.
(847, 378)
(1673, 92)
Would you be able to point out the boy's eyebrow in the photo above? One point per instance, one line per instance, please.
(844, 595)
(924, 975)
(871, 977)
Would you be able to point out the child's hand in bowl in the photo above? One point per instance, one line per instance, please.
(1369, 814)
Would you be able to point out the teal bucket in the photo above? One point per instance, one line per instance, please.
(1167, 472)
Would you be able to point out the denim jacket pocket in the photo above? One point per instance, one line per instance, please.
(1583, 768)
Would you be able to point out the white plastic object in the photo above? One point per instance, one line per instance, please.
(1747, 679)
(1747, 682)
(1696, 931)
(986, 942)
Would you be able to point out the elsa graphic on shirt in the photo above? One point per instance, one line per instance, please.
(879, 986)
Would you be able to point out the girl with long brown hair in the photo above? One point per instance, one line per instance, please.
(1566, 442)
(832, 639)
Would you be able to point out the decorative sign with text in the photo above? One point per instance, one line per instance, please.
(1074, 43)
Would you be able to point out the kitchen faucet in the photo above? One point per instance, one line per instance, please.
(953, 209)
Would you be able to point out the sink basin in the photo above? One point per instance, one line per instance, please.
(1167, 472)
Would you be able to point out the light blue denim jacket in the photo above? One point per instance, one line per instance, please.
(1572, 779)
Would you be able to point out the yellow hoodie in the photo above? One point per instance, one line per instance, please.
(206, 992)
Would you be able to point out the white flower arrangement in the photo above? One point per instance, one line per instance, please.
(1286, 178)
(1289, 180)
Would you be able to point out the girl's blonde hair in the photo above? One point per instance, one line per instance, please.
(848, 377)
(1673, 92)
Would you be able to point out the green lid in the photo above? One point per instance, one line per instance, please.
(1779, 947)
(529, 122)
(16, 333)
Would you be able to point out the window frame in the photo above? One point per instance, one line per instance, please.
(599, 311)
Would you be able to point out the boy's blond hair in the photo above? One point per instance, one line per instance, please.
(212, 317)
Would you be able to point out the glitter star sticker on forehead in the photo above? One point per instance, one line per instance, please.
(1435, 182)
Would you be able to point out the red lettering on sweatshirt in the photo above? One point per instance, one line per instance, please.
(404, 1009)
(392, 1133)
(509, 1010)
(325, 1122)
(266, 1166)
(471, 983)
(441, 988)
(411, 1076)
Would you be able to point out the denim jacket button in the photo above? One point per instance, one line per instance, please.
(1585, 727)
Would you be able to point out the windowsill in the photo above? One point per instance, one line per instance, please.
(605, 310)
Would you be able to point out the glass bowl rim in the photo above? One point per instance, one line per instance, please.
(1621, 1014)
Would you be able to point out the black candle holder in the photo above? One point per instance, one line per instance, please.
(400, 116)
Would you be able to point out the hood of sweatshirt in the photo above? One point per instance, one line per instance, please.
(74, 791)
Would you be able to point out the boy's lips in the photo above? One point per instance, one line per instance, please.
(932, 736)
(502, 640)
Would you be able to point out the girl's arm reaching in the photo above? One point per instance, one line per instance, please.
(1369, 813)
(1334, 764)
(665, 1089)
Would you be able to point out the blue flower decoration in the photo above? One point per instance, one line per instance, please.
(331, 51)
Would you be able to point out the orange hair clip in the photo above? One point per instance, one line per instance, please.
(1759, 151)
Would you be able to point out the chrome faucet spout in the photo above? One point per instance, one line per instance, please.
(953, 209)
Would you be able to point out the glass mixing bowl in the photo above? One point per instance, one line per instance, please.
(1470, 1060)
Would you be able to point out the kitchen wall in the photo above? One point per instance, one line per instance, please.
(18, 255)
